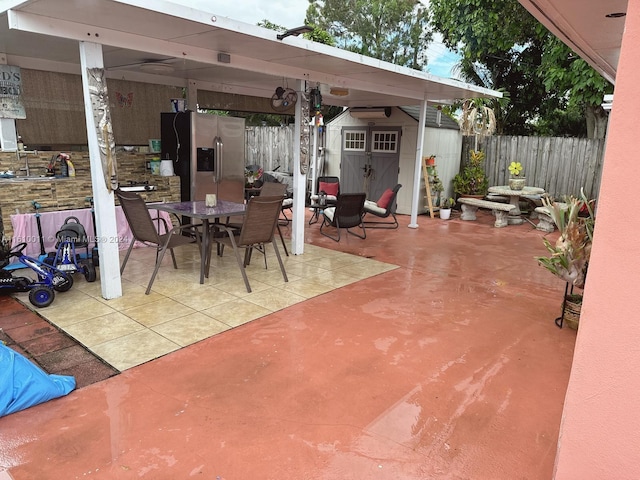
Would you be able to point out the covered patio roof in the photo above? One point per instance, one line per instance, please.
(593, 29)
(162, 42)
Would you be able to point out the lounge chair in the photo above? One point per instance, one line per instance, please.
(384, 207)
(347, 214)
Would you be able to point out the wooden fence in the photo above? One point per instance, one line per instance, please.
(562, 166)
(270, 147)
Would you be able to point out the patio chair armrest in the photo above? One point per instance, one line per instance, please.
(164, 223)
(230, 230)
(191, 226)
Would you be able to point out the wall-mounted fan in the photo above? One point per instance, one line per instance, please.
(283, 99)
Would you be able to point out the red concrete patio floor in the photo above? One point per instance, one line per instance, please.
(448, 367)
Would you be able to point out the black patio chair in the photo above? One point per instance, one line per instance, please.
(347, 214)
(385, 207)
(330, 188)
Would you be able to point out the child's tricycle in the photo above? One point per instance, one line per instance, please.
(70, 237)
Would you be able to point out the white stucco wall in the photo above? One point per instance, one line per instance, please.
(445, 144)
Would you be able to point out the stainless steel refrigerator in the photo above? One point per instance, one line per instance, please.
(207, 153)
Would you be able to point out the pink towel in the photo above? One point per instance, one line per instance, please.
(25, 229)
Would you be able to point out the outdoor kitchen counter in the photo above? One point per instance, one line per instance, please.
(53, 194)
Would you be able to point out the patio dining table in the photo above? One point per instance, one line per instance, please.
(515, 216)
(198, 210)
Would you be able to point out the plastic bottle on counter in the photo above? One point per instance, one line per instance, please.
(70, 168)
(64, 167)
(20, 144)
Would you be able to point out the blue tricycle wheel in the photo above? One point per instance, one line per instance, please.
(41, 296)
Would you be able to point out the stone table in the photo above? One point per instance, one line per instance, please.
(515, 216)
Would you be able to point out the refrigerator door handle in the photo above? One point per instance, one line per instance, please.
(218, 161)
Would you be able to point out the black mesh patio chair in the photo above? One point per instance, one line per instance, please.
(385, 207)
(327, 191)
(143, 230)
(347, 214)
(330, 185)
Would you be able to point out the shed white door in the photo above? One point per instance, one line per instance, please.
(370, 160)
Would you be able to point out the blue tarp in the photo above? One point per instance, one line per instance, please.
(23, 384)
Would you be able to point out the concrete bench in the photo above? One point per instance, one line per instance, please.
(500, 210)
(545, 223)
(532, 202)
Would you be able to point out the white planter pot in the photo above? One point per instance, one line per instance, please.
(445, 213)
(517, 183)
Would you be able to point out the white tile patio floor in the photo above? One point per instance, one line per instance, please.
(179, 311)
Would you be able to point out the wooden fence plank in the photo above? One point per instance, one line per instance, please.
(562, 166)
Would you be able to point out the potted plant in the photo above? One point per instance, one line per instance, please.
(445, 208)
(517, 180)
(437, 188)
(472, 180)
(569, 257)
(252, 173)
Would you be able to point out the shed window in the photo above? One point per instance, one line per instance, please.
(355, 141)
(386, 142)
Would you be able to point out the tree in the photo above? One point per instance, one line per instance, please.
(395, 31)
(503, 47)
(578, 83)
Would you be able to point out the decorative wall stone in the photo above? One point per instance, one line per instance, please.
(72, 192)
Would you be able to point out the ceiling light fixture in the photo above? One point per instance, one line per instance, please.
(157, 67)
(339, 92)
(295, 32)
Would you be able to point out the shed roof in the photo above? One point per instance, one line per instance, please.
(430, 119)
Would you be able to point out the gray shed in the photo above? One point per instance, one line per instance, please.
(373, 149)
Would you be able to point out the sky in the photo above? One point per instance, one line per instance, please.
(291, 13)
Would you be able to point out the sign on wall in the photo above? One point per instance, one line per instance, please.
(11, 105)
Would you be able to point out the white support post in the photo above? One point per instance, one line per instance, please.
(417, 171)
(314, 160)
(192, 95)
(299, 181)
(103, 199)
